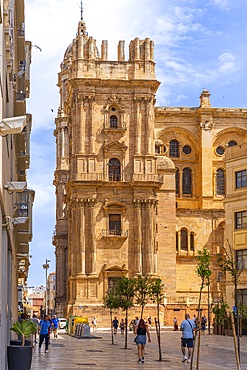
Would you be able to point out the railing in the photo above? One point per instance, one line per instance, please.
(121, 233)
(118, 177)
(119, 126)
(20, 96)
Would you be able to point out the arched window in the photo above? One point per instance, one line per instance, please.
(187, 181)
(114, 170)
(176, 241)
(232, 143)
(220, 182)
(113, 121)
(184, 240)
(177, 174)
(174, 148)
(192, 241)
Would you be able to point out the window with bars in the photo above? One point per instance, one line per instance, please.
(192, 242)
(220, 182)
(187, 181)
(242, 297)
(184, 239)
(114, 224)
(240, 179)
(174, 148)
(241, 258)
(241, 220)
(114, 170)
(113, 121)
(177, 175)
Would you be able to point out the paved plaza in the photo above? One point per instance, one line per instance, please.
(66, 352)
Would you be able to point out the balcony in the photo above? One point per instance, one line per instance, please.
(115, 234)
(117, 178)
(23, 215)
(119, 127)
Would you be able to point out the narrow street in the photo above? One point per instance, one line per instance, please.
(65, 352)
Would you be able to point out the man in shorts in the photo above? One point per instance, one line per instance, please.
(187, 327)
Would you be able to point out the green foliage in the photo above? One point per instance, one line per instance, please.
(24, 328)
(203, 268)
(111, 299)
(227, 262)
(157, 291)
(220, 313)
(125, 292)
(143, 290)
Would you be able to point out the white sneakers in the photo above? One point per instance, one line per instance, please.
(188, 360)
(184, 359)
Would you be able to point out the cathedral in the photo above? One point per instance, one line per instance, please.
(139, 188)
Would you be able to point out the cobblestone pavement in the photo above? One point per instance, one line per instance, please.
(66, 352)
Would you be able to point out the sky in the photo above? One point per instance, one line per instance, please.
(198, 45)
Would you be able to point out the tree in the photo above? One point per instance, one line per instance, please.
(125, 292)
(204, 273)
(112, 302)
(142, 291)
(228, 263)
(157, 296)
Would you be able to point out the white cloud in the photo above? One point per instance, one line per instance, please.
(222, 4)
(227, 62)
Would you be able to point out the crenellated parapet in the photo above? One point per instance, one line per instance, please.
(83, 59)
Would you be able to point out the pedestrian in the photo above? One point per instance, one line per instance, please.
(55, 325)
(187, 327)
(175, 324)
(136, 321)
(150, 320)
(35, 320)
(122, 325)
(204, 322)
(94, 322)
(115, 325)
(141, 331)
(44, 326)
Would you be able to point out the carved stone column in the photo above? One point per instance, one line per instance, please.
(149, 126)
(138, 237)
(148, 247)
(91, 133)
(93, 238)
(82, 254)
(138, 125)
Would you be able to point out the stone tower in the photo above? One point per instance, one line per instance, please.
(115, 197)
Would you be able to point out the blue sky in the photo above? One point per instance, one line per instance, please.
(198, 44)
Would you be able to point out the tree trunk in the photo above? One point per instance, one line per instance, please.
(157, 326)
(126, 330)
(112, 336)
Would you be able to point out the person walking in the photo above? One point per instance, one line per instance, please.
(94, 322)
(115, 325)
(35, 320)
(141, 331)
(122, 325)
(187, 327)
(175, 324)
(44, 326)
(204, 322)
(55, 325)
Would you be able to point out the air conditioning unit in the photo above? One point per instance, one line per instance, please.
(12, 125)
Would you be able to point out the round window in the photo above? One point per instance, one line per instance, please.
(186, 149)
(113, 109)
(220, 150)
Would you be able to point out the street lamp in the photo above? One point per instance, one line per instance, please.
(45, 267)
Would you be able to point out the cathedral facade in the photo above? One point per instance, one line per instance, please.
(139, 188)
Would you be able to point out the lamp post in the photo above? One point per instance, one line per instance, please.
(45, 267)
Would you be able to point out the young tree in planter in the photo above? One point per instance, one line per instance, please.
(143, 291)
(228, 263)
(125, 291)
(111, 301)
(157, 296)
(204, 273)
